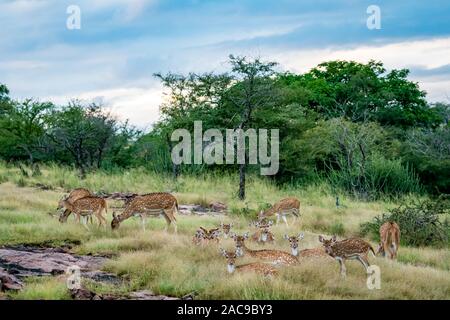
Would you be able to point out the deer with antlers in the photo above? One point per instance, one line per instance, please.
(152, 204)
(86, 207)
(258, 267)
(274, 256)
(282, 208)
(73, 196)
(305, 253)
(389, 239)
(353, 248)
(203, 236)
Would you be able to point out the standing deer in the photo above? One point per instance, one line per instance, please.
(74, 195)
(258, 267)
(389, 239)
(86, 207)
(275, 256)
(305, 253)
(152, 204)
(347, 249)
(282, 208)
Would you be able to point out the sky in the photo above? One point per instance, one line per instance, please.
(111, 59)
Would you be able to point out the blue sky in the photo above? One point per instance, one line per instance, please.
(121, 43)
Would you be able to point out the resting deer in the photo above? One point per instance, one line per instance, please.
(226, 229)
(86, 207)
(305, 253)
(258, 267)
(347, 249)
(282, 208)
(274, 256)
(389, 239)
(74, 195)
(203, 236)
(152, 204)
(263, 234)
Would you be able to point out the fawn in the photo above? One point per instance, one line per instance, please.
(152, 204)
(203, 236)
(263, 234)
(73, 196)
(282, 208)
(258, 267)
(275, 256)
(353, 248)
(389, 239)
(305, 253)
(86, 207)
(226, 229)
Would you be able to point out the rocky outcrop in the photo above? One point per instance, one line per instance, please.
(8, 281)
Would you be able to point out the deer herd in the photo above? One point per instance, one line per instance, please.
(84, 205)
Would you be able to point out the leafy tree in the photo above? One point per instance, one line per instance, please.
(22, 128)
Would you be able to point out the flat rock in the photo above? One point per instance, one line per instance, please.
(9, 282)
(48, 261)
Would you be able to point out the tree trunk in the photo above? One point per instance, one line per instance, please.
(242, 181)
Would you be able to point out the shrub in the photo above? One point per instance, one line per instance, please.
(421, 223)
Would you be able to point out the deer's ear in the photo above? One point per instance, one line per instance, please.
(231, 224)
(286, 237)
(246, 235)
(221, 224)
(233, 235)
(321, 238)
(114, 215)
(270, 222)
(301, 235)
(223, 252)
(334, 238)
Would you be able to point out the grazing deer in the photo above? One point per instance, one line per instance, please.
(305, 253)
(275, 256)
(389, 239)
(86, 207)
(203, 236)
(347, 249)
(226, 229)
(282, 208)
(152, 204)
(264, 234)
(258, 267)
(74, 195)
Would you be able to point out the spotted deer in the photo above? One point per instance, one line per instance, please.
(353, 248)
(305, 253)
(258, 267)
(203, 236)
(87, 206)
(226, 229)
(389, 239)
(282, 208)
(263, 234)
(152, 204)
(274, 256)
(73, 196)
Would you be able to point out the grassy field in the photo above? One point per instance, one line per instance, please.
(170, 264)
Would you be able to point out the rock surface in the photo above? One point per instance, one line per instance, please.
(9, 282)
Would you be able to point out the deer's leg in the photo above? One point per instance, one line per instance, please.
(168, 221)
(285, 220)
(364, 261)
(143, 221)
(343, 269)
(278, 217)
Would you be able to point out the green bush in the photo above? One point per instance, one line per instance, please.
(422, 223)
(381, 178)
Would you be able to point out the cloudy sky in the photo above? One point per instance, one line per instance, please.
(121, 43)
